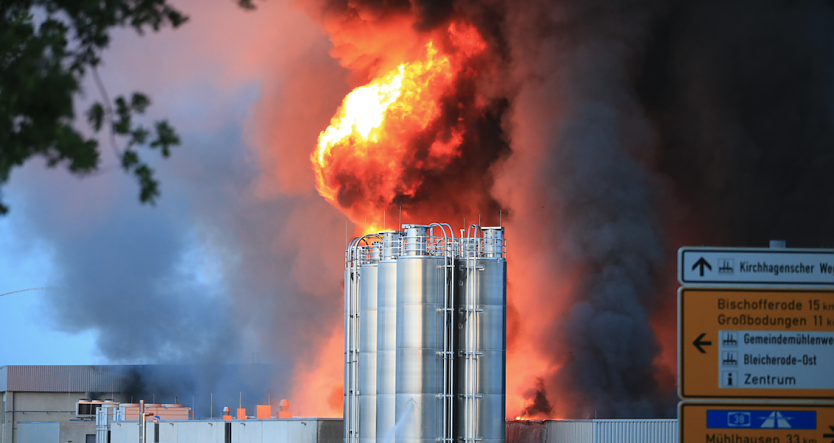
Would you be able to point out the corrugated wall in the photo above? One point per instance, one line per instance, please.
(330, 431)
(592, 431)
(4, 370)
(42, 378)
(570, 431)
(635, 431)
(242, 431)
(526, 431)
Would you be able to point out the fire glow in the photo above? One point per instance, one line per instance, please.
(461, 112)
(369, 155)
(420, 137)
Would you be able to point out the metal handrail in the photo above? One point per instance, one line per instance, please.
(471, 247)
(436, 246)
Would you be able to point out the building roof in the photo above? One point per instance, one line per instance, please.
(64, 378)
(137, 379)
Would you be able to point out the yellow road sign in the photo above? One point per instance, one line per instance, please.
(746, 423)
(755, 343)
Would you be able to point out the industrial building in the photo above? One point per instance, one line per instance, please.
(47, 404)
(593, 431)
(425, 362)
(82, 431)
(312, 430)
(330, 431)
(295, 430)
(56, 395)
(50, 394)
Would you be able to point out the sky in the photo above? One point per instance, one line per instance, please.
(36, 340)
(206, 84)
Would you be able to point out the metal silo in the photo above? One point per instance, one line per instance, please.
(481, 343)
(351, 391)
(439, 366)
(346, 386)
(386, 353)
(420, 341)
(359, 261)
(368, 273)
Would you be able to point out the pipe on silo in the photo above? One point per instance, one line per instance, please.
(368, 308)
(351, 407)
(391, 244)
(355, 257)
(480, 372)
(386, 351)
(416, 240)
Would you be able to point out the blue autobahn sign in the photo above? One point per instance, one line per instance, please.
(701, 422)
(760, 419)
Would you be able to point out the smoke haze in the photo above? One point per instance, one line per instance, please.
(226, 268)
(636, 127)
(610, 132)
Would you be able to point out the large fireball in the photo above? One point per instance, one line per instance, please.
(384, 131)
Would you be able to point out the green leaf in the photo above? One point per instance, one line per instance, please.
(122, 124)
(138, 136)
(43, 62)
(139, 102)
(246, 4)
(176, 18)
(129, 159)
(148, 186)
(166, 137)
(96, 116)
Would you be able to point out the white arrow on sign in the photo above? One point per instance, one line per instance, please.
(704, 266)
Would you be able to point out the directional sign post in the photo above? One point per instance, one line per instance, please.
(756, 266)
(756, 326)
(767, 343)
(760, 423)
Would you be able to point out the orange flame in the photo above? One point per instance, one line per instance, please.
(410, 139)
(362, 161)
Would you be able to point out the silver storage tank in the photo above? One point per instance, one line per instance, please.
(420, 298)
(386, 350)
(348, 383)
(368, 273)
(481, 342)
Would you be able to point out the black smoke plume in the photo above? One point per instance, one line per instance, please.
(205, 388)
(539, 405)
(640, 126)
